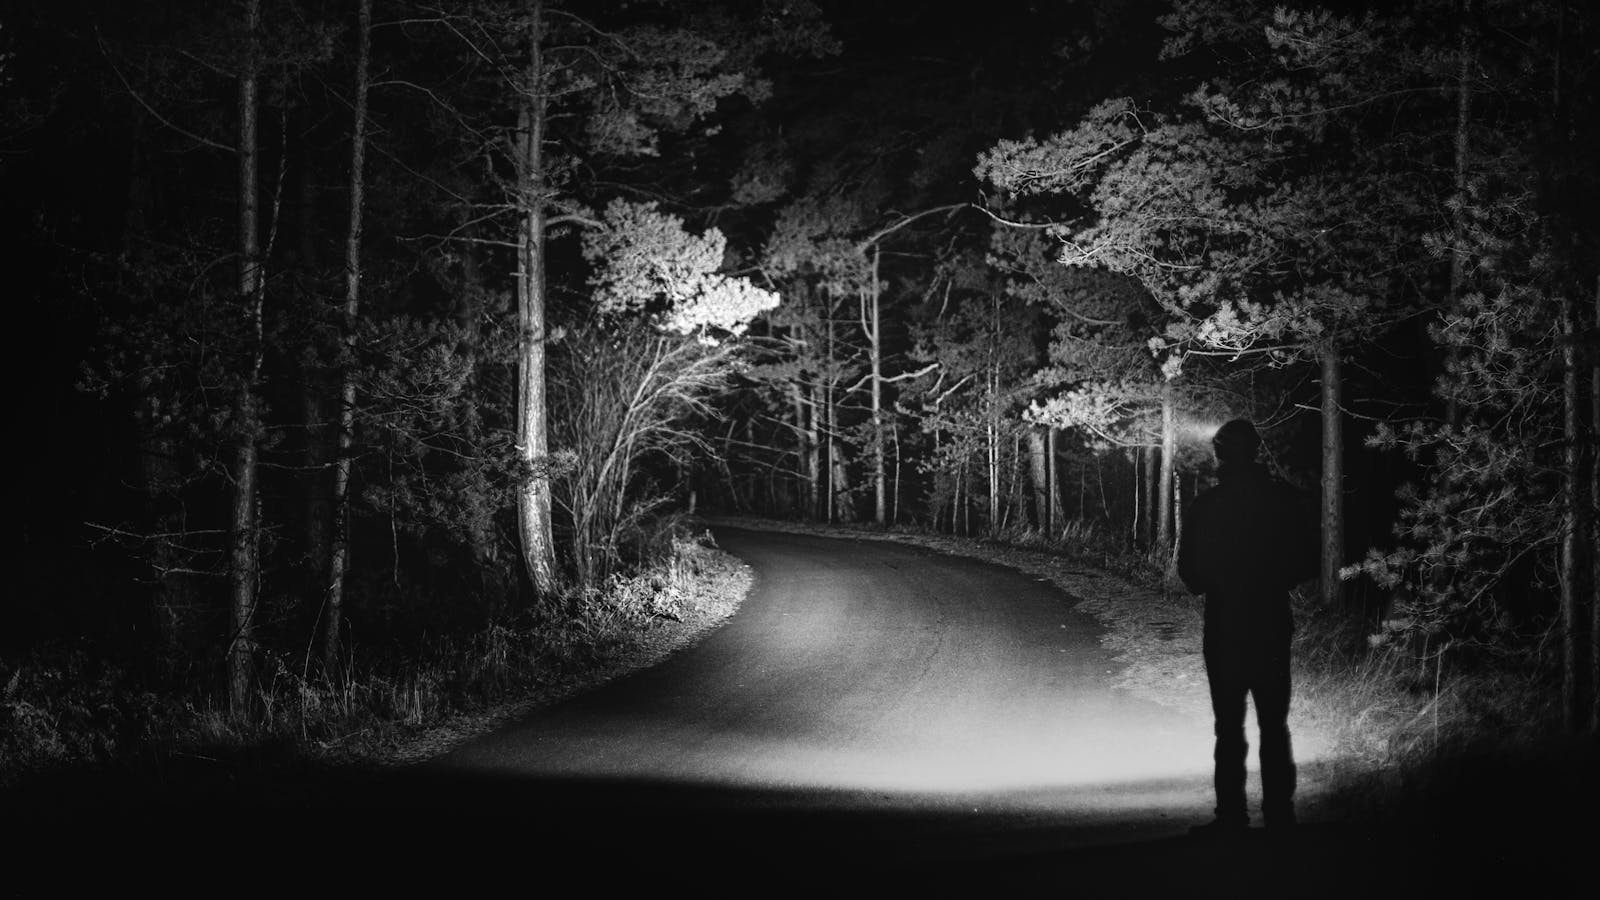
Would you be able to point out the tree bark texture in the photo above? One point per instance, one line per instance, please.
(871, 324)
(318, 509)
(533, 497)
(844, 509)
(1577, 541)
(1039, 471)
(1593, 347)
(1057, 515)
(805, 428)
(992, 474)
(894, 488)
(1137, 506)
(1465, 53)
(813, 461)
(1332, 480)
(1463, 155)
(244, 555)
(1169, 448)
(734, 497)
(1014, 500)
(339, 558)
(1177, 515)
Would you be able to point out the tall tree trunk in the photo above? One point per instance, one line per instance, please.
(830, 421)
(1594, 512)
(533, 442)
(1332, 479)
(1169, 448)
(805, 429)
(244, 558)
(955, 503)
(844, 509)
(833, 482)
(964, 510)
(1015, 504)
(494, 579)
(1577, 528)
(1083, 488)
(752, 475)
(940, 478)
(798, 428)
(894, 491)
(1057, 513)
(1039, 469)
(1177, 509)
(1152, 490)
(991, 465)
(1140, 496)
(955, 491)
(813, 452)
(870, 324)
(992, 426)
(339, 558)
(1465, 55)
(734, 496)
(318, 509)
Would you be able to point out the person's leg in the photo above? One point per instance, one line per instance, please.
(1228, 708)
(1271, 689)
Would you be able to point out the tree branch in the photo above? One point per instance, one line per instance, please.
(203, 141)
(907, 220)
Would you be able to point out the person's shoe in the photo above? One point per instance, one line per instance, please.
(1221, 829)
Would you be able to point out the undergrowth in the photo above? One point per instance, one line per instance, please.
(1402, 715)
(63, 707)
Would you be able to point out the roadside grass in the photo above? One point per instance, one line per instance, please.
(1406, 729)
(1416, 726)
(62, 708)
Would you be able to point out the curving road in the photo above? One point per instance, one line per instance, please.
(874, 712)
(873, 666)
(870, 701)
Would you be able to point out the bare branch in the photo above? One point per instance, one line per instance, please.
(203, 141)
(907, 220)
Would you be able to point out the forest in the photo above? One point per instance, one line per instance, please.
(358, 338)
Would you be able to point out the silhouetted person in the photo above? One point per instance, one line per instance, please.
(1246, 542)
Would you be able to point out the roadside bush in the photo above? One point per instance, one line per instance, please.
(57, 706)
(58, 710)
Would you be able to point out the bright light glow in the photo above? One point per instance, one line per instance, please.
(1110, 760)
(1199, 431)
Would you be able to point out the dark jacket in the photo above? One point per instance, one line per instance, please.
(1246, 542)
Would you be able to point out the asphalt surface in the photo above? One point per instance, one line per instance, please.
(872, 709)
(876, 717)
(894, 671)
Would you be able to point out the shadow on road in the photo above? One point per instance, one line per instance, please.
(413, 828)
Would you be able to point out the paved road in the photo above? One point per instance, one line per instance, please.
(875, 712)
(870, 702)
(891, 670)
